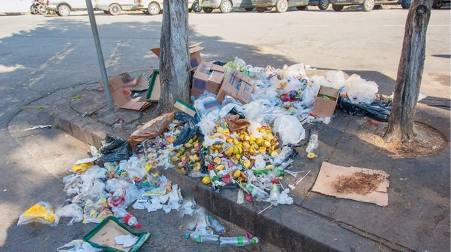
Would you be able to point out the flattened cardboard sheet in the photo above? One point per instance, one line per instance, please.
(121, 95)
(354, 183)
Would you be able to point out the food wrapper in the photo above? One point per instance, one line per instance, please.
(151, 129)
(40, 212)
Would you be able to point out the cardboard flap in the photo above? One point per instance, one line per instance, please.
(216, 77)
(156, 51)
(196, 44)
(153, 93)
(328, 91)
(196, 49)
(192, 49)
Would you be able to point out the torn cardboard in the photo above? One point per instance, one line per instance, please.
(121, 95)
(136, 84)
(151, 129)
(181, 106)
(194, 54)
(154, 91)
(208, 77)
(325, 102)
(354, 183)
(237, 85)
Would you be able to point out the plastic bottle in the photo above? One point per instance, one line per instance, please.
(214, 179)
(312, 143)
(256, 192)
(239, 241)
(206, 238)
(274, 195)
(215, 225)
(131, 221)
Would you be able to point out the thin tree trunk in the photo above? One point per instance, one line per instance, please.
(174, 54)
(410, 71)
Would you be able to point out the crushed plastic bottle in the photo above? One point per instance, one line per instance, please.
(256, 192)
(206, 238)
(132, 221)
(239, 241)
(215, 225)
(313, 142)
(274, 195)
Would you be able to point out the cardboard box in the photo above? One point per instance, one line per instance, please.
(237, 85)
(194, 54)
(121, 95)
(181, 106)
(208, 77)
(325, 102)
(154, 90)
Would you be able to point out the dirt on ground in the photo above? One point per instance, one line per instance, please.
(358, 182)
(428, 142)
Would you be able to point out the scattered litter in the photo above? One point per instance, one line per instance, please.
(126, 240)
(39, 127)
(77, 246)
(41, 212)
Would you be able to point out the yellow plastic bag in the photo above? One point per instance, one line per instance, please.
(40, 212)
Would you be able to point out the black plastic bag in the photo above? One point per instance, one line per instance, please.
(115, 149)
(377, 110)
(190, 129)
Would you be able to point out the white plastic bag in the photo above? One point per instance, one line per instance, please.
(290, 129)
(77, 246)
(72, 210)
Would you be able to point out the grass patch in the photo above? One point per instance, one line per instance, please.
(78, 98)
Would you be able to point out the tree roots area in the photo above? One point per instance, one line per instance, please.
(428, 141)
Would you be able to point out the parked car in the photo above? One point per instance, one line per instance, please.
(225, 6)
(115, 7)
(280, 5)
(64, 7)
(322, 4)
(437, 4)
(368, 5)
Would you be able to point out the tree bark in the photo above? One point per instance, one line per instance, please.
(174, 54)
(401, 126)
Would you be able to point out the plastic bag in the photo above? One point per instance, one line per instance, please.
(336, 78)
(115, 149)
(151, 129)
(359, 90)
(41, 212)
(377, 110)
(235, 123)
(289, 129)
(72, 210)
(96, 212)
(189, 131)
(77, 246)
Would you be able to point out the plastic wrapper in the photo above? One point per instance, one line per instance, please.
(95, 212)
(289, 129)
(77, 246)
(93, 190)
(377, 110)
(359, 90)
(72, 210)
(41, 212)
(235, 123)
(151, 129)
(336, 78)
(114, 149)
(126, 240)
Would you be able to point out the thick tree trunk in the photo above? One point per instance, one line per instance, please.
(174, 54)
(410, 71)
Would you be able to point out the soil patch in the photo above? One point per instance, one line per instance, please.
(429, 141)
(358, 182)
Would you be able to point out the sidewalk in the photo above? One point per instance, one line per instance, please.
(417, 217)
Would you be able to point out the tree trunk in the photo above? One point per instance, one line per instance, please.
(174, 54)
(410, 71)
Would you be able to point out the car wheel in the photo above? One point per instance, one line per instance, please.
(281, 6)
(301, 7)
(368, 5)
(225, 6)
(196, 7)
(337, 7)
(207, 9)
(323, 4)
(378, 7)
(261, 9)
(63, 10)
(42, 10)
(437, 4)
(115, 9)
(248, 9)
(406, 4)
(33, 10)
(154, 9)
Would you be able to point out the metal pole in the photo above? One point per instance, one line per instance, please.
(95, 34)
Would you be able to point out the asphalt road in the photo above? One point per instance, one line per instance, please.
(42, 54)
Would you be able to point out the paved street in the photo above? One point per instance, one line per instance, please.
(42, 54)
